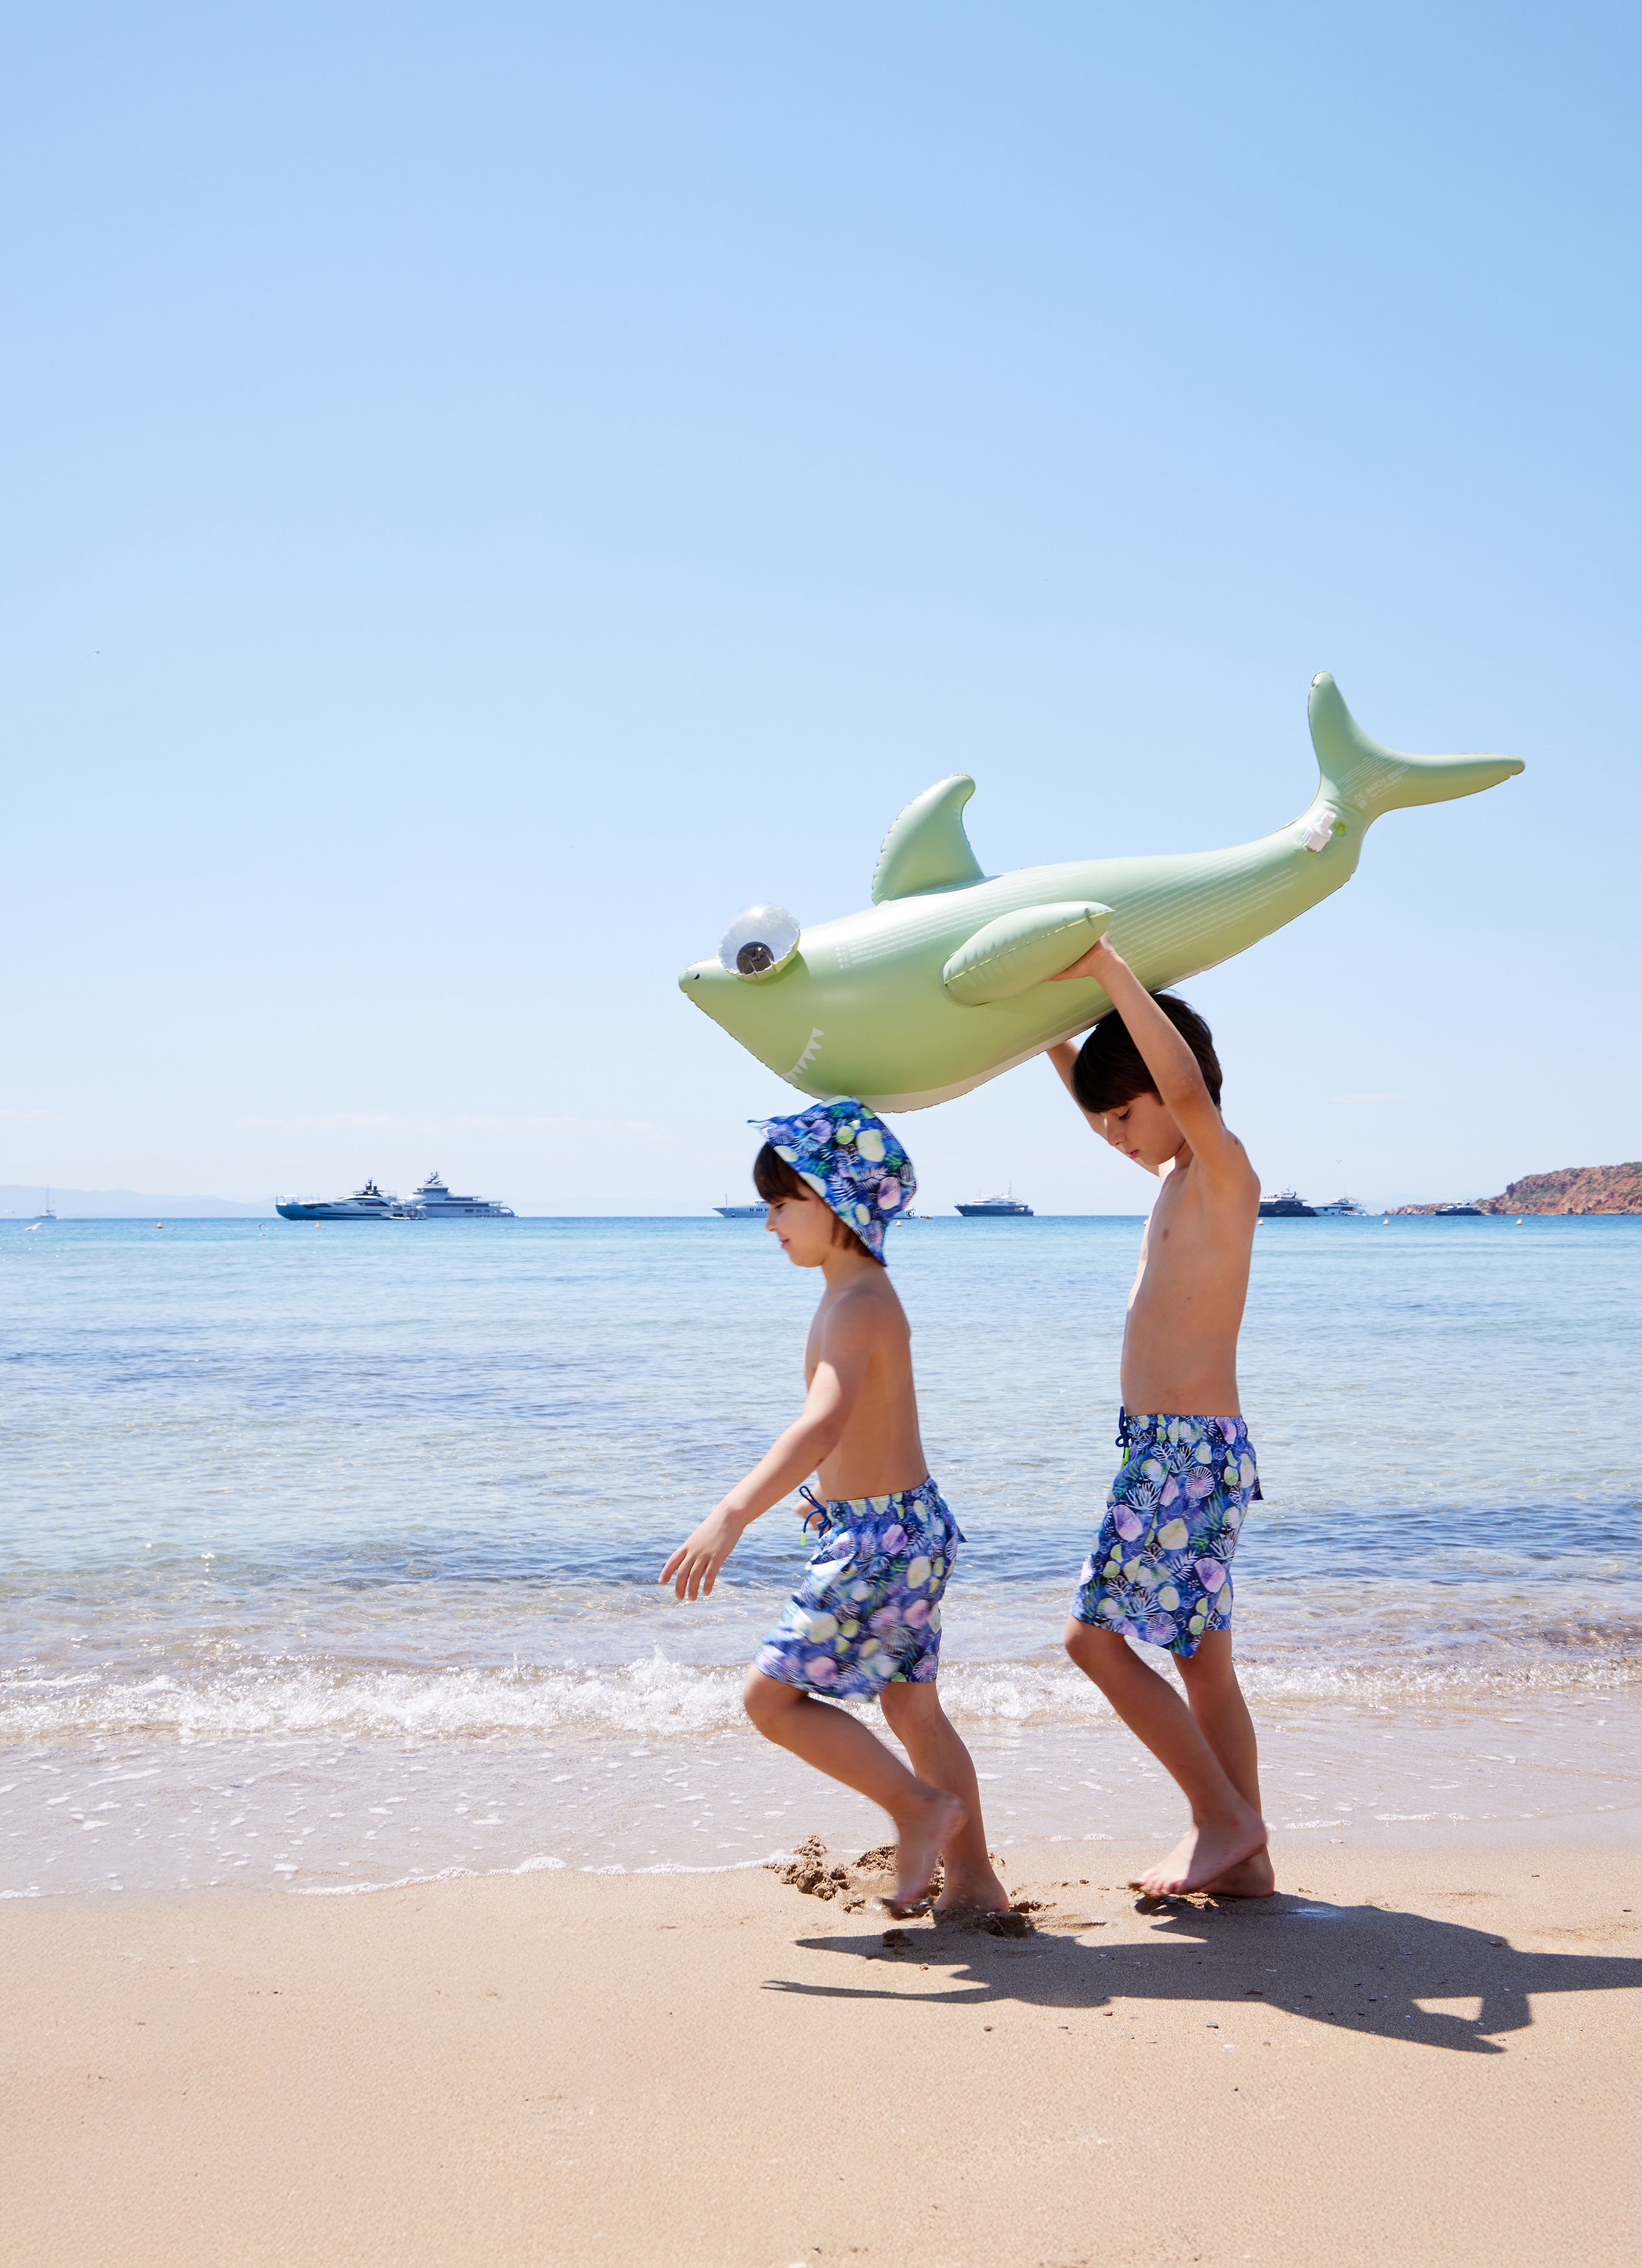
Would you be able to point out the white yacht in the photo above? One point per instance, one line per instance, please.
(368, 1203)
(434, 1202)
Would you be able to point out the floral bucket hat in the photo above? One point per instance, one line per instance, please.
(851, 1160)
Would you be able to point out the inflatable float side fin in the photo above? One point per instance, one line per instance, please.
(1358, 771)
(1017, 951)
(926, 848)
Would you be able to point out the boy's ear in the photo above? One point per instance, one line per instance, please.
(1017, 951)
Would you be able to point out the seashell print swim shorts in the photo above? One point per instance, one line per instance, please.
(867, 1613)
(1161, 1566)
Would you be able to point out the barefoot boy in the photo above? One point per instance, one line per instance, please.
(867, 1617)
(1148, 1081)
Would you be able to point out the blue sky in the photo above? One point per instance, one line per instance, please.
(492, 492)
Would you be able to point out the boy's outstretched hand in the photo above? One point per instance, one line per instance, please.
(694, 1567)
(847, 1347)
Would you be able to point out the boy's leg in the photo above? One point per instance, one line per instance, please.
(1221, 1714)
(926, 1818)
(1227, 1828)
(915, 1716)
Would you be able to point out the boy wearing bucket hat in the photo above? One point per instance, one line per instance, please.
(865, 1619)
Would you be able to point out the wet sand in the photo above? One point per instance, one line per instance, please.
(1419, 2057)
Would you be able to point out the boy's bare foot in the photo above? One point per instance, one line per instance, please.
(1204, 1854)
(974, 1893)
(1254, 1877)
(918, 1847)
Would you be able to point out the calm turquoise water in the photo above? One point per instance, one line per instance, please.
(329, 1552)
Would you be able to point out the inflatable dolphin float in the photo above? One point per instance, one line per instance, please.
(942, 984)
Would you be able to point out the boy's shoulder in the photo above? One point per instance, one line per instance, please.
(1229, 1175)
(869, 1308)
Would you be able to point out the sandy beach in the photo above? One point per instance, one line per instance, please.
(1417, 2057)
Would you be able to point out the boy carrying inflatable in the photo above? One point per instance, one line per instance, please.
(865, 1619)
(1147, 1079)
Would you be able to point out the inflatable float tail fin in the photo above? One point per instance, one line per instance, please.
(1358, 771)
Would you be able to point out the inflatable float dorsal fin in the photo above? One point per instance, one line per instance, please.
(926, 848)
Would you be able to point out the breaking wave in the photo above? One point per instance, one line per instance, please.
(656, 1698)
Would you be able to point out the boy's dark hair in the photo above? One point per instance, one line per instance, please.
(774, 1179)
(1110, 1069)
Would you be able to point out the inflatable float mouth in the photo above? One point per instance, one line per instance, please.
(770, 1012)
(942, 983)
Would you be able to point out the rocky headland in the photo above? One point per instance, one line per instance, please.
(1572, 1189)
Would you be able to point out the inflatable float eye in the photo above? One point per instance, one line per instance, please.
(759, 942)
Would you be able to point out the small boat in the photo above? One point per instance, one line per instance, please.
(999, 1208)
(1286, 1206)
(45, 1212)
(1458, 1212)
(1339, 1209)
(742, 1212)
(368, 1203)
(434, 1202)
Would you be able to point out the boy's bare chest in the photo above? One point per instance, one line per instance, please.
(1176, 1227)
(1187, 1249)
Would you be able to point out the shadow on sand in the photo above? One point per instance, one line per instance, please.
(1363, 1968)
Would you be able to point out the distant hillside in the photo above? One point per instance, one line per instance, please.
(22, 1200)
(1575, 1189)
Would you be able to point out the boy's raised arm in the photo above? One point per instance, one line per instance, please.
(849, 1336)
(1175, 1073)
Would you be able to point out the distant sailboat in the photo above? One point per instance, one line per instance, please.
(45, 1212)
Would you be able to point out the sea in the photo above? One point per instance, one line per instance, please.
(328, 1551)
